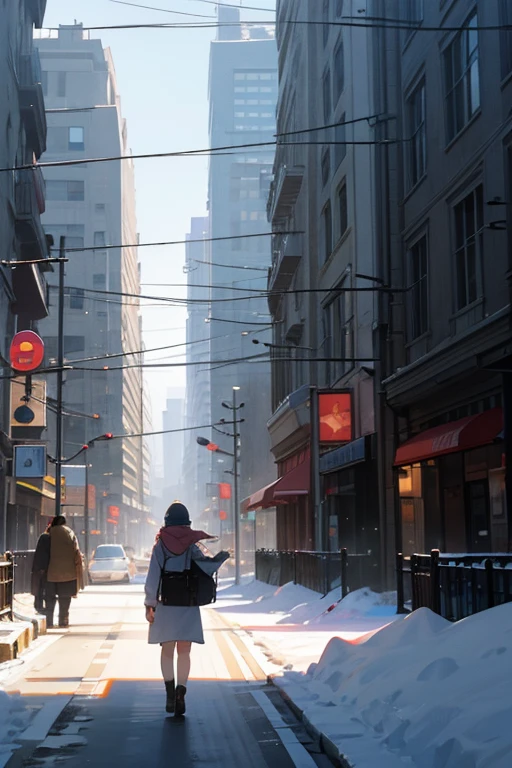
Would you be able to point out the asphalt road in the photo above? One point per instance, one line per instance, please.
(100, 700)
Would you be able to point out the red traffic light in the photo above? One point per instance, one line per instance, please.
(223, 515)
(27, 351)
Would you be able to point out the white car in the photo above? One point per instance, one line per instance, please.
(109, 563)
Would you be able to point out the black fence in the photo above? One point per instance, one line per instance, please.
(319, 571)
(23, 570)
(6, 586)
(454, 586)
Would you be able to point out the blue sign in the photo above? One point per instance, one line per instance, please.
(351, 453)
(29, 460)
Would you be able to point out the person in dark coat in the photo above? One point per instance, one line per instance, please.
(65, 576)
(171, 626)
(40, 565)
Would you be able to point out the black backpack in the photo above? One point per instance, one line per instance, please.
(187, 588)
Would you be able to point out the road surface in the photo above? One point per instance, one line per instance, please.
(97, 692)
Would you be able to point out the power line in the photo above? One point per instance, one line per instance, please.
(163, 10)
(227, 266)
(82, 249)
(194, 152)
(349, 22)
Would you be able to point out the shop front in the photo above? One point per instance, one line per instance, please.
(451, 487)
(350, 499)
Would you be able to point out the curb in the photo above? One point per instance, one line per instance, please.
(326, 745)
(17, 638)
(38, 622)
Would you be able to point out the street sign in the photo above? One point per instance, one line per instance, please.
(30, 460)
(27, 351)
(33, 412)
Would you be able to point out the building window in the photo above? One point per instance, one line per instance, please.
(326, 90)
(61, 84)
(99, 207)
(462, 79)
(338, 335)
(418, 269)
(506, 39)
(99, 281)
(64, 190)
(326, 166)
(469, 222)
(339, 8)
(100, 239)
(74, 234)
(339, 72)
(76, 139)
(340, 136)
(343, 208)
(76, 298)
(327, 231)
(417, 131)
(325, 20)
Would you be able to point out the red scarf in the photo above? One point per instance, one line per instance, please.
(178, 538)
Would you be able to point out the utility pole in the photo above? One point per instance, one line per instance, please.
(86, 512)
(60, 379)
(236, 502)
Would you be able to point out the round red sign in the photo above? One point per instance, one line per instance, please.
(27, 351)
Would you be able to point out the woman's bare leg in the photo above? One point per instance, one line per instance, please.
(183, 662)
(167, 661)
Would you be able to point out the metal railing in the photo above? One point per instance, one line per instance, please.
(6, 586)
(318, 571)
(22, 560)
(453, 585)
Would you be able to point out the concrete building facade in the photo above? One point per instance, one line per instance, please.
(242, 95)
(197, 462)
(447, 374)
(321, 283)
(93, 206)
(22, 201)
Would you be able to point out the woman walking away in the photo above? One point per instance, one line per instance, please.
(65, 575)
(178, 624)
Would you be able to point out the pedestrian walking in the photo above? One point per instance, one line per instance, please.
(177, 569)
(65, 571)
(40, 565)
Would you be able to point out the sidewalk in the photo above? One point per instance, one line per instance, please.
(383, 690)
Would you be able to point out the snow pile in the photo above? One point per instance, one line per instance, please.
(14, 718)
(420, 692)
(294, 624)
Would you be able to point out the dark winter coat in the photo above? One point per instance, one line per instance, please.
(40, 564)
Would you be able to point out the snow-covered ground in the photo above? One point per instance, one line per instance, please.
(295, 624)
(418, 691)
(15, 716)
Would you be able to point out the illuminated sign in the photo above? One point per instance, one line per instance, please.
(335, 417)
(224, 491)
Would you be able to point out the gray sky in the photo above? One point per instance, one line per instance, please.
(162, 78)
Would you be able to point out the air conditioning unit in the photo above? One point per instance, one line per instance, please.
(32, 412)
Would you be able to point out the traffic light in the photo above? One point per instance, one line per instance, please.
(26, 352)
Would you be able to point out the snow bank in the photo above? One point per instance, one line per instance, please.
(294, 624)
(14, 718)
(420, 692)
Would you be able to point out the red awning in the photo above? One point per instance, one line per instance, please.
(296, 482)
(262, 499)
(461, 435)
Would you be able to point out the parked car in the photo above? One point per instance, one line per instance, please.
(109, 563)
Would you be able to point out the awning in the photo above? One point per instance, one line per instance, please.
(461, 435)
(296, 482)
(262, 499)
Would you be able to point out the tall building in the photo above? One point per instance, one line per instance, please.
(242, 94)
(173, 423)
(321, 281)
(446, 238)
(23, 289)
(93, 206)
(197, 461)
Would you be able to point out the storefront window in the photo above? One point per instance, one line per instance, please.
(411, 509)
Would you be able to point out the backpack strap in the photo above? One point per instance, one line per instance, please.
(162, 569)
